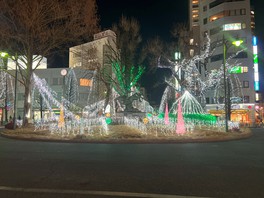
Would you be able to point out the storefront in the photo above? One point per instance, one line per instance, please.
(237, 115)
(243, 113)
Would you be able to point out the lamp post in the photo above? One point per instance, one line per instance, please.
(63, 73)
(226, 81)
(15, 98)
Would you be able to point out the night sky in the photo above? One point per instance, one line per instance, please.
(156, 17)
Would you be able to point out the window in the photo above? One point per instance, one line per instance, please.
(60, 81)
(242, 11)
(205, 8)
(205, 21)
(218, 2)
(191, 52)
(207, 100)
(215, 30)
(241, 55)
(219, 15)
(246, 99)
(217, 57)
(232, 12)
(245, 84)
(86, 82)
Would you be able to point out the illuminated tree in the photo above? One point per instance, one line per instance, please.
(71, 87)
(29, 28)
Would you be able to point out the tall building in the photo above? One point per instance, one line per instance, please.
(226, 21)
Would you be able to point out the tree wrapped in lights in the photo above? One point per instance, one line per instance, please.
(126, 84)
(126, 69)
(71, 87)
(193, 81)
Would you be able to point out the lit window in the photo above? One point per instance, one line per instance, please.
(191, 41)
(191, 52)
(257, 96)
(86, 82)
(245, 84)
(245, 69)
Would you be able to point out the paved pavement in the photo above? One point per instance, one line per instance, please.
(218, 169)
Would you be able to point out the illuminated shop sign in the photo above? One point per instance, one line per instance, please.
(256, 70)
(238, 70)
(232, 26)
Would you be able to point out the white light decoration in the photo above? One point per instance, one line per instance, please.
(189, 105)
(193, 81)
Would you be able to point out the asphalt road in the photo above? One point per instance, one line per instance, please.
(42, 169)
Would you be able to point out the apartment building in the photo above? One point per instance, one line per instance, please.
(226, 21)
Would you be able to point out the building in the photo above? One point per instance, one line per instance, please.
(96, 55)
(226, 21)
(56, 79)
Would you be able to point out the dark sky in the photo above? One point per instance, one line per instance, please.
(156, 17)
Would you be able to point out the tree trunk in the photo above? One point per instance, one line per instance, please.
(27, 104)
(28, 92)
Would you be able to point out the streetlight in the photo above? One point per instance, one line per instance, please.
(63, 73)
(226, 81)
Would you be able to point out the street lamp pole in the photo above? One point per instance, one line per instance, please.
(226, 81)
(225, 87)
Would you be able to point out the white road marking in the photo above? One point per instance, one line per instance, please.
(91, 192)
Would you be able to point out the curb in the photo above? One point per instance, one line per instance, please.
(133, 141)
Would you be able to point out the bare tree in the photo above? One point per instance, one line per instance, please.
(30, 28)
